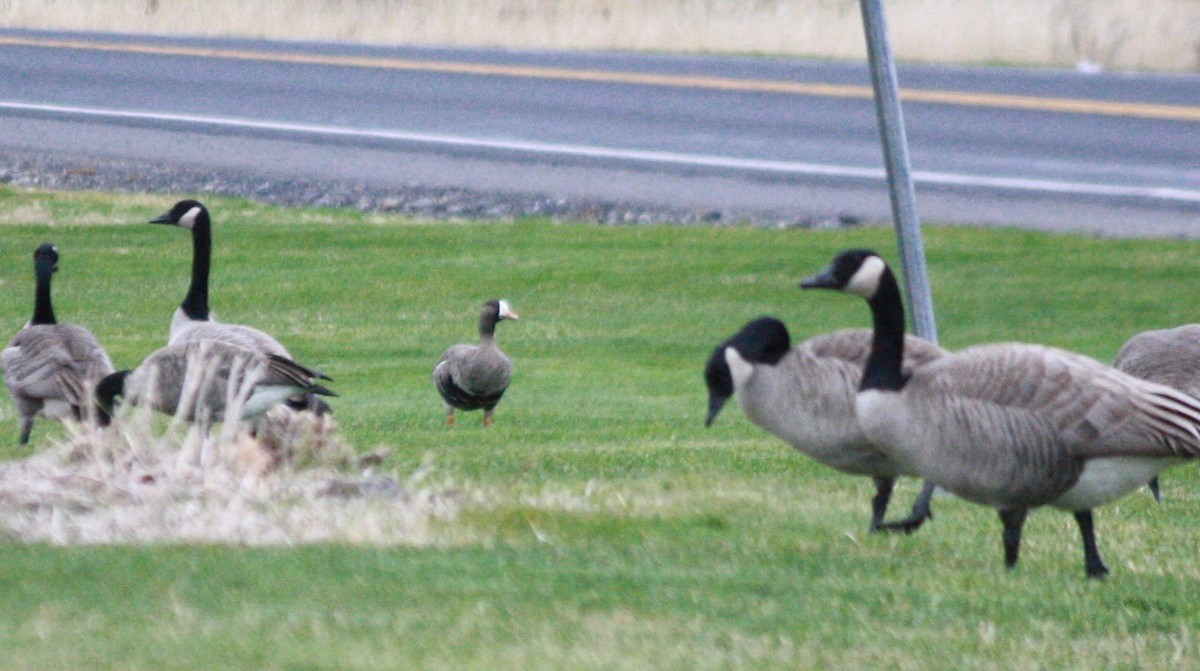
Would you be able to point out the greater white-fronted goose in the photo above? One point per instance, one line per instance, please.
(470, 377)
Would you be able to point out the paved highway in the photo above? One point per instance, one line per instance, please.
(1115, 153)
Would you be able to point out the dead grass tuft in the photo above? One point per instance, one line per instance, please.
(130, 484)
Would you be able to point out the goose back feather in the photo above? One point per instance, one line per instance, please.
(1012, 426)
(51, 368)
(196, 380)
(475, 376)
(193, 321)
(1166, 356)
(805, 395)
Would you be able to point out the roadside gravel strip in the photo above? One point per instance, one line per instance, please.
(85, 173)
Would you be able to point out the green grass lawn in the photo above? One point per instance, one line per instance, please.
(603, 526)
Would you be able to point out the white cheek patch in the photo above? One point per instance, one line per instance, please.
(739, 369)
(865, 281)
(188, 219)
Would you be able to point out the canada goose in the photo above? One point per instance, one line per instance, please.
(199, 374)
(192, 320)
(1166, 356)
(49, 367)
(470, 377)
(805, 395)
(1012, 426)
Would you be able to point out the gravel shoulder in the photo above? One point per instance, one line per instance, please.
(90, 173)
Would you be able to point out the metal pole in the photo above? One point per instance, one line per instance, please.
(895, 155)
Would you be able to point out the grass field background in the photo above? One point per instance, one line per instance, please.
(603, 527)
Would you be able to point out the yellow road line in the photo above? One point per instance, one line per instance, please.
(993, 100)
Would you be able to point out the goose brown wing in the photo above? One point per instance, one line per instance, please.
(1091, 409)
(87, 356)
(239, 335)
(282, 370)
(59, 361)
(854, 346)
(1167, 356)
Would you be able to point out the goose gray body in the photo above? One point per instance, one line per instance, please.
(1016, 425)
(1166, 356)
(805, 395)
(237, 335)
(808, 400)
(193, 322)
(1013, 426)
(475, 376)
(195, 380)
(51, 368)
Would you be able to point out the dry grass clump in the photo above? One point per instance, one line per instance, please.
(133, 483)
(1139, 34)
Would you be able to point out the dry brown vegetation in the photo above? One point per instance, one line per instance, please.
(145, 480)
(1121, 34)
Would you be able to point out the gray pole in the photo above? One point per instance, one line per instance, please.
(895, 155)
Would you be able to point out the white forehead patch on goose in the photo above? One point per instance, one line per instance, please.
(865, 281)
(188, 219)
(505, 311)
(740, 370)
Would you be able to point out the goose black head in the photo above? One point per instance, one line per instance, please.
(501, 308)
(493, 312)
(763, 341)
(46, 256)
(855, 271)
(108, 390)
(185, 214)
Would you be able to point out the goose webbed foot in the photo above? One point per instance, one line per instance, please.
(1013, 521)
(1092, 563)
(921, 511)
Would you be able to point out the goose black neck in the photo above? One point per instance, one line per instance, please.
(487, 324)
(195, 303)
(107, 391)
(887, 346)
(43, 310)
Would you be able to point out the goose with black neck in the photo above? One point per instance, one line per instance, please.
(51, 368)
(805, 396)
(1012, 426)
(193, 321)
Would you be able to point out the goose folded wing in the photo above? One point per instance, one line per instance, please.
(286, 370)
(39, 365)
(1168, 356)
(1093, 410)
(88, 358)
(854, 346)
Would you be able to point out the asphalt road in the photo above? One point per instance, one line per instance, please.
(1117, 154)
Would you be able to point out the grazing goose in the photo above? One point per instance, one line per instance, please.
(1012, 426)
(49, 367)
(198, 374)
(1166, 356)
(470, 377)
(192, 320)
(805, 395)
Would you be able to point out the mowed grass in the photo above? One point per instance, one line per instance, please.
(603, 526)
